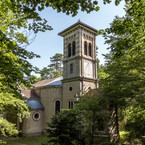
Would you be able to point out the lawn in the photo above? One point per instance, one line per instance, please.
(27, 140)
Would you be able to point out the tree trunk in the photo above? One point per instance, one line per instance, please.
(113, 125)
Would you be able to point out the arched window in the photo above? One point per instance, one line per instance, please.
(90, 49)
(69, 50)
(73, 48)
(57, 106)
(70, 105)
(85, 47)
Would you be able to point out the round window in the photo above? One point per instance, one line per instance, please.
(36, 116)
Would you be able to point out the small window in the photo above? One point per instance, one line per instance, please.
(70, 105)
(73, 48)
(57, 106)
(69, 50)
(85, 47)
(71, 68)
(70, 88)
(90, 49)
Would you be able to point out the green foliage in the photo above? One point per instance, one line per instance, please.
(135, 119)
(56, 62)
(101, 72)
(7, 128)
(107, 143)
(80, 125)
(93, 114)
(63, 128)
(125, 68)
(16, 17)
(54, 69)
(126, 62)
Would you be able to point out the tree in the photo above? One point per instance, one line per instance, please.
(18, 16)
(17, 19)
(46, 73)
(92, 111)
(81, 124)
(135, 119)
(56, 62)
(54, 69)
(63, 128)
(126, 62)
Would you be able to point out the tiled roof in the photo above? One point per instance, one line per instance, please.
(90, 93)
(48, 82)
(56, 82)
(43, 82)
(26, 93)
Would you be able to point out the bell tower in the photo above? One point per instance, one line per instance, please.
(79, 63)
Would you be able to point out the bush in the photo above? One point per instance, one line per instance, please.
(63, 129)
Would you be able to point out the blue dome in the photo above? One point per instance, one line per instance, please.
(34, 104)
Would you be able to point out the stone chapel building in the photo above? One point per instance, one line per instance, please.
(79, 75)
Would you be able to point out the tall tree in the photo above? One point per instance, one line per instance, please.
(63, 128)
(92, 111)
(54, 69)
(126, 62)
(17, 16)
(56, 62)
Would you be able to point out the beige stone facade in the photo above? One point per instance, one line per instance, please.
(79, 75)
(32, 126)
(49, 95)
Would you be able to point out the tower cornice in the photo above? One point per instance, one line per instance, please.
(78, 57)
(79, 79)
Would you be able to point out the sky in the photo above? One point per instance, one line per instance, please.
(48, 43)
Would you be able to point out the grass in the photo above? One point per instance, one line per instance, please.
(26, 140)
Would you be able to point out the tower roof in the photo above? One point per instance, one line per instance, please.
(78, 24)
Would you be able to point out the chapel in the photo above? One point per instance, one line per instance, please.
(47, 97)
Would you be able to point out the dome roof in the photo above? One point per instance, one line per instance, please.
(34, 104)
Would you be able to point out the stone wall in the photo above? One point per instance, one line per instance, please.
(48, 97)
(70, 89)
(32, 126)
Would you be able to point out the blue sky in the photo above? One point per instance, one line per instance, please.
(49, 43)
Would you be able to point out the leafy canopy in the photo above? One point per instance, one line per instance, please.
(53, 70)
(124, 81)
(18, 19)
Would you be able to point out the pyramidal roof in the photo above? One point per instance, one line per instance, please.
(79, 24)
